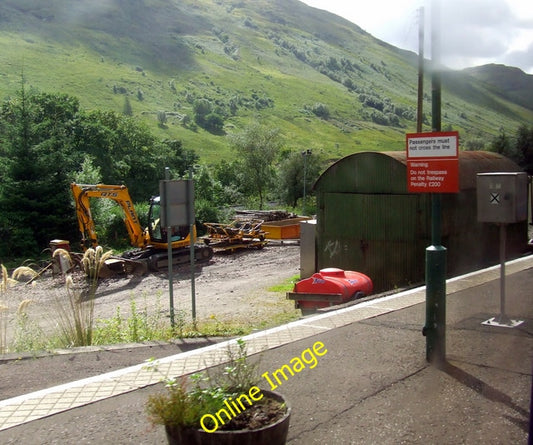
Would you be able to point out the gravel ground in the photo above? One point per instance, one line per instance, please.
(231, 287)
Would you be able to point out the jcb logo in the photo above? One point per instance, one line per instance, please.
(109, 194)
(131, 210)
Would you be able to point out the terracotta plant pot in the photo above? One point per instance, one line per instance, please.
(274, 434)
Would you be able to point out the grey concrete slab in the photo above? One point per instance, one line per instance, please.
(372, 386)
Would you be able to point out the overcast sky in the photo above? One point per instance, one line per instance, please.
(473, 32)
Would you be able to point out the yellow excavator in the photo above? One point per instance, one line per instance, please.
(151, 242)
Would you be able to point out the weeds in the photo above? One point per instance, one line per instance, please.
(75, 322)
(239, 374)
(76, 316)
(5, 277)
(92, 262)
(214, 327)
(178, 407)
(286, 286)
(23, 272)
(64, 258)
(139, 326)
(6, 280)
(3, 327)
(28, 335)
(3, 312)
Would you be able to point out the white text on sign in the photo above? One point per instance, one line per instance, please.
(433, 162)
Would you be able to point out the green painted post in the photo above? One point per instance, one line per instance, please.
(435, 327)
(191, 218)
(169, 252)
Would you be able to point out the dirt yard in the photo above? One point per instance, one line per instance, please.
(231, 287)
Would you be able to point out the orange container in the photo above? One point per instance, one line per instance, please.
(283, 229)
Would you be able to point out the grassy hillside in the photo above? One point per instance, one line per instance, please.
(319, 78)
(510, 82)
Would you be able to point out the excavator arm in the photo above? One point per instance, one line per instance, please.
(152, 252)
(118, 193)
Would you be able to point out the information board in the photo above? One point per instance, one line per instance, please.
(177, 202)
(433, 162)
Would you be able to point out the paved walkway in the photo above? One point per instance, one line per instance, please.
(33, 406)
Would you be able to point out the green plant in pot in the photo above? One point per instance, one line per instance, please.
(224, 408)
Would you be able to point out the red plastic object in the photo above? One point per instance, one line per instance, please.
(330, 286)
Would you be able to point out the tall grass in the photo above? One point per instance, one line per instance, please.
(3, 327)
(4, 281)
(28, 334)
(23, 272)
(74, 315)
(76, 312)
(3, 312)
(93, 260)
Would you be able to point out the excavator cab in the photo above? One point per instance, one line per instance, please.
(157, 233)
(154, 220)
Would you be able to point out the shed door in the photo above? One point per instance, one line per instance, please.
(383, 236)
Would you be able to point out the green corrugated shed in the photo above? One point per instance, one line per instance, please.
(368, 222)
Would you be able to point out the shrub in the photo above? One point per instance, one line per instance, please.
(162, 118)
(321, 110)
(214, 123)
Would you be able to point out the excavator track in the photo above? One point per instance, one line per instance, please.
(157, 260)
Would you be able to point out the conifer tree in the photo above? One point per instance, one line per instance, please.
(34, 191)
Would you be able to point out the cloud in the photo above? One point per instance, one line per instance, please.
(80, 12)
(480, 31)
(522, 59)
(473, 32)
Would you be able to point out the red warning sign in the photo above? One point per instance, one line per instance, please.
(433, 162)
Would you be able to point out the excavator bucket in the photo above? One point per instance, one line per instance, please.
(117, 266)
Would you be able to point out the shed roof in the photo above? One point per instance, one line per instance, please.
(386, 172)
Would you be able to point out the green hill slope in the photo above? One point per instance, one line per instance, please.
(510, 82)
(319, 78)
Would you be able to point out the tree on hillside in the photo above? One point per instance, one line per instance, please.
(202, 108)
(38, 160)
(209, 117)
(127, 109)
(126, 152)
(292, 171)
(524, 146)
(258, 147)
(502, 145)
(519, 148)
(231, 176)
(45, 141)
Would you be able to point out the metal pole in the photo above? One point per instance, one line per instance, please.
(304, 153)
(420, 108)
(169, 251)
(530, 435)
(503, 234)
(192, 238)
(435, 327)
